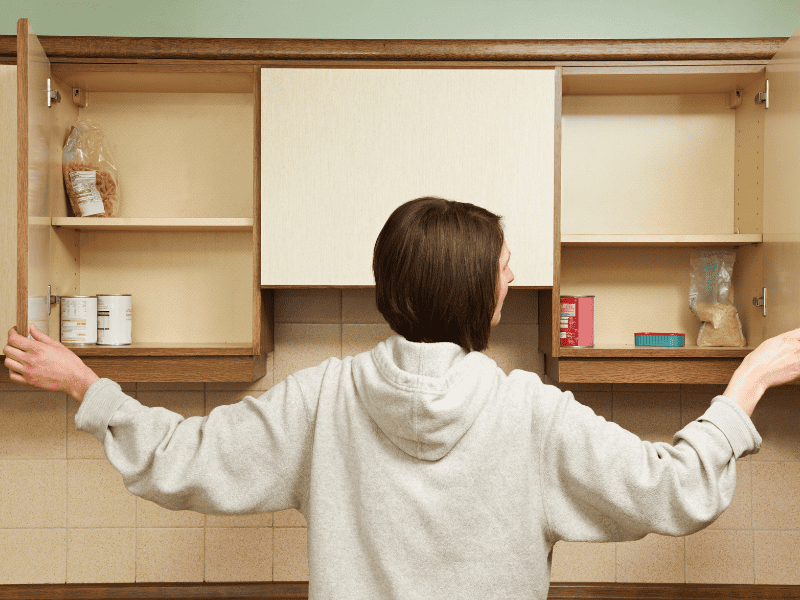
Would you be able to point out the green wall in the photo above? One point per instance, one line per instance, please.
(408, 19)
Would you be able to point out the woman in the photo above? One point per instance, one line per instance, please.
(422, 469)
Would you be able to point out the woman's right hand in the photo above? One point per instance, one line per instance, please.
(774, 362)
(778, 359)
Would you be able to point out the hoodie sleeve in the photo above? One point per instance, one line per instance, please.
(242, 458)
(602, 483)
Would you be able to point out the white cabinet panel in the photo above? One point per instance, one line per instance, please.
(342, 148)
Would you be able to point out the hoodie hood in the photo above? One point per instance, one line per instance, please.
(423, 396)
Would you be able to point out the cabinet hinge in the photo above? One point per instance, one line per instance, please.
(763, 97)
(762, 301)
(52, 95)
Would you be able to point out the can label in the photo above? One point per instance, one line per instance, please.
(78, 320)
(577, 321)
(113, 320)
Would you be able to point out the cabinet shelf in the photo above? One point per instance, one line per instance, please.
(154, 224)
(660, 240)
(633, 351)
(163, 349)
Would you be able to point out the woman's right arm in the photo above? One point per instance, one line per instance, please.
(603, 483)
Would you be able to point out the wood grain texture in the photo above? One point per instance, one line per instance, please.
(689, 371)
(188, 369)
(8, 199)
(298, 590)
(72, 47)
(22, 176)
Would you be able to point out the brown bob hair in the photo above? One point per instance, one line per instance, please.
(436, 271)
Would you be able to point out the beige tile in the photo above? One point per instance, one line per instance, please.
(33, 425)
(308, 306)
(776, 557)
(238, 554)
(261, 385)
(358, 306)
(97, 496)
(600, 402)
(33, 493)
(653, 416)
(776, 495)
(289, 518)
(169, 386)
(583, 561)
(164, 554)
(673, 389)
(738, 515)
(776, 419)
(101, 555)
(516, 347)
(363, 338)
(33, 556)
(259, 520)
(707, 390)
(291, 555)
(299, 346)
(722, 557)
(520, 306)
(653, 559)
(185, 403)
(149, 514)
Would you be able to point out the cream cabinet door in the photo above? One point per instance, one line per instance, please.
(342, 148)
(782, 190)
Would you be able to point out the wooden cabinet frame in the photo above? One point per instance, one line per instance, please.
(679, 62)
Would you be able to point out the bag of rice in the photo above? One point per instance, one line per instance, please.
(710, 298)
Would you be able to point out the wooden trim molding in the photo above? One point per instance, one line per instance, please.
(296, 590)
(69, 48)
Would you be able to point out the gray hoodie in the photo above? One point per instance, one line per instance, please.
(424, 471)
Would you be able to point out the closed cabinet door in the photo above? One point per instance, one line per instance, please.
(342, 148)
(782, 191)
(35, 162)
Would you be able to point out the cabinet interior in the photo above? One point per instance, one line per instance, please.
(658, 152)
(184, 150)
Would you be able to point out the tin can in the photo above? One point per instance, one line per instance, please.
(79, 319)
(113, 319)
(577, 321)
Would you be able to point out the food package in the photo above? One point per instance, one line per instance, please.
(90, 173)
(711, 298)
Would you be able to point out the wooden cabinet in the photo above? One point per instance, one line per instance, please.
(646, 163)
(185, 243)
(342, 148)
(658, 161)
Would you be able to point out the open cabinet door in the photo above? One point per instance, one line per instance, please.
(34, 125)
(782, 191)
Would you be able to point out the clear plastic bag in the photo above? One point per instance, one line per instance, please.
(90, 173)
(711, 298)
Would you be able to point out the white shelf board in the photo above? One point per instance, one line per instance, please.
(154, 224)
(660, 240)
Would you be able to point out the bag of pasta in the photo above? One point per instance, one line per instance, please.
(90, 173)
(711, 298)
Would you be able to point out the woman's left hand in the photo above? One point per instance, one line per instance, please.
(47, 364)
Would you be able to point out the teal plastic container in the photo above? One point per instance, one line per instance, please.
(665, 340)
